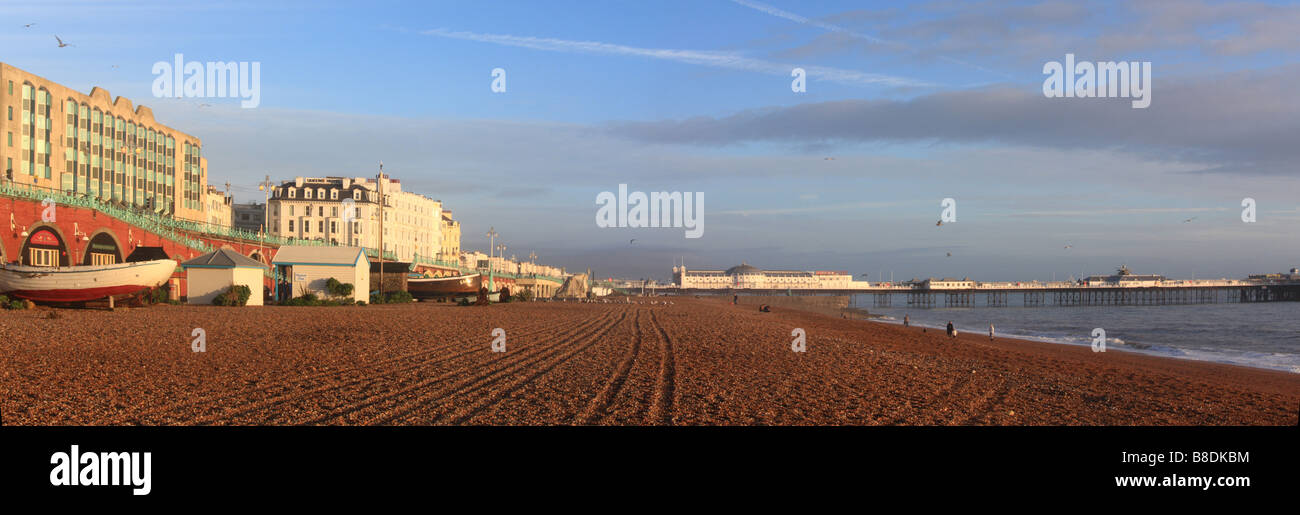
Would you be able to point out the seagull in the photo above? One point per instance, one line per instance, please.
(1189, 220)
(830, 159)
(1068, 246)
(629, 242)
(29, 25)
(61, 43)
(949, 254)
(940, 222)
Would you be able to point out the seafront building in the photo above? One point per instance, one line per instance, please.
(97, 146)
(746, 276)
(317, 208)
(218, 205)
(450, 238)
(249, 217)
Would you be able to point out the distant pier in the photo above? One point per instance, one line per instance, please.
(1036, 296)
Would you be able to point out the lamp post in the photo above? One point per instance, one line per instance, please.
(492, 240)
(379, 186)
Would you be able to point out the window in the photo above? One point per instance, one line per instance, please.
(334, 228)
(11, 139)
(44, 257)
(356, 194)
(293, 194)
(334, 194)
(99, 258)
(334, 211)
(290, 225)
(306, 193)
(321, 226)
(320, 211)
(11, 113)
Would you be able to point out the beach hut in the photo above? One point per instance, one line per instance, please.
(215, 272)
(308, 269)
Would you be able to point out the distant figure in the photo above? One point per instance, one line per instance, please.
(990, 331)
(907, 322)
(952, 331)
(765, 308)
(735, 299)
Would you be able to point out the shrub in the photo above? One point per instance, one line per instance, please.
(339, 289)
(236, 295)
(160, 294)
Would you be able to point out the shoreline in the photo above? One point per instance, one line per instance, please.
(694, 362)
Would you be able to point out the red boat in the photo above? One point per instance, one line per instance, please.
(444, 287)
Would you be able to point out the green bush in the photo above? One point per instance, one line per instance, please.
(236, 295)
(160, 294)
(339, 289)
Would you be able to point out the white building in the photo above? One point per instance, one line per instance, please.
(309, 269)
(745, 276)
(214, 273)
(317, 208)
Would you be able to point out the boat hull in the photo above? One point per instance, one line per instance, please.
(444, 287)
(83, 283)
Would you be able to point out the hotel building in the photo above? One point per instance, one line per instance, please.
(745, 276)
(97, 146)
(315, 208)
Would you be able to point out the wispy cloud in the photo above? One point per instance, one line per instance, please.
(716, 59)
(850, 33)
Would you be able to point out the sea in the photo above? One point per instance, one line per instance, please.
(1261, 335)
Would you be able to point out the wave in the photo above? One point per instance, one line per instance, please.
(1287, 362)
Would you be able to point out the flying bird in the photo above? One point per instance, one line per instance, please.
(629, 242)
(1189, 220)
(940, 222)
(29, 25)
(1068, 246)
(61, 43)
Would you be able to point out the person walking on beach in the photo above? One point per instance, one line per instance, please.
(990, 332)
(952, 332)
(906, 321)
(735, 299)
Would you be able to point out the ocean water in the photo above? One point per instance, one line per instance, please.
(1263, 335)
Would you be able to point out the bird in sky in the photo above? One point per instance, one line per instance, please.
(940, 222)
(830, 159)
(61, 43)
(1189, 220)
(29, 25)
(1068, 246)
(631, 241)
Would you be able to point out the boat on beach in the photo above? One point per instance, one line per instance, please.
(453, 287)
(83, 283)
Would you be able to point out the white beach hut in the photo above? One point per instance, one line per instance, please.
(214, 273)
(308, 269)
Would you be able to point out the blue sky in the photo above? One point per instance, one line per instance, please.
(914, 102)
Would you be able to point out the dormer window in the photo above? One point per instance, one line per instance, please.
(306, 193)
(320, 193)
(293, 193)
(356, 194)
(334, 194)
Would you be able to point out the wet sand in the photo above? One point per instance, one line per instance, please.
(695, 362)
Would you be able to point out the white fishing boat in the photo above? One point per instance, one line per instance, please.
(83, 283)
